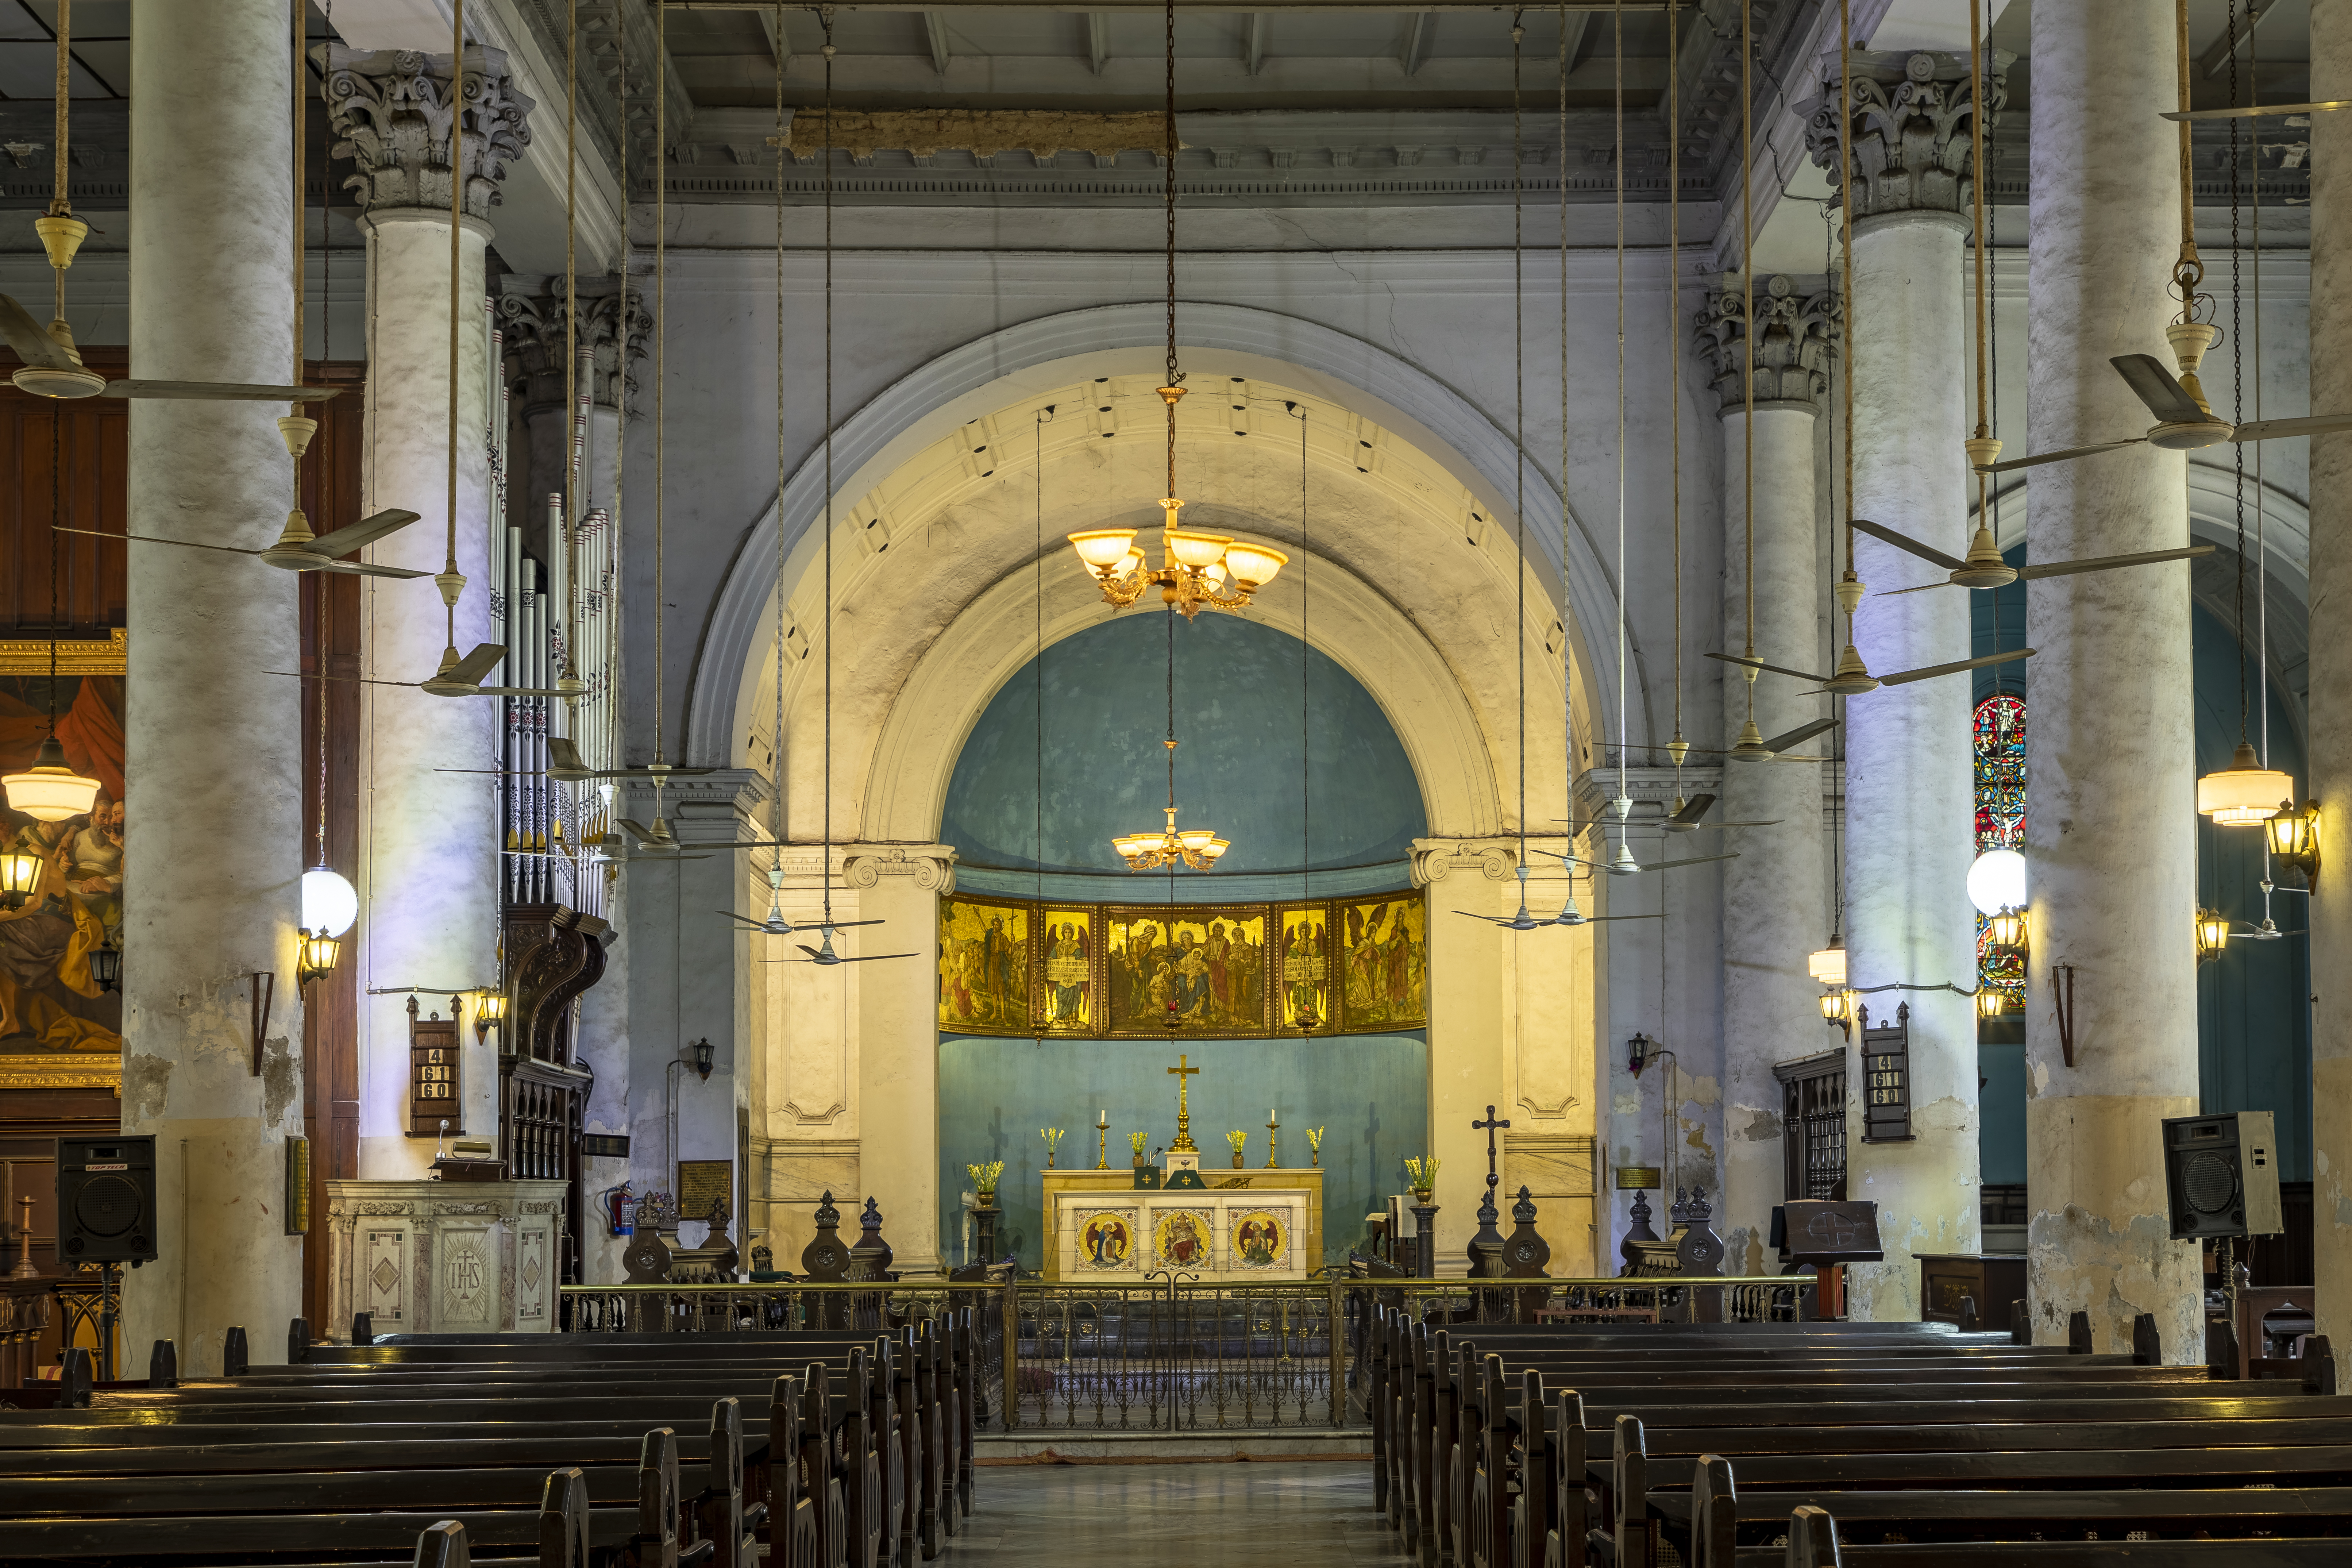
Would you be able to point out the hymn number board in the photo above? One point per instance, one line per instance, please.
(1182, 971)
(1886, 1078)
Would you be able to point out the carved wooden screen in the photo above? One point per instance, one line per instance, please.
(1813, 1126)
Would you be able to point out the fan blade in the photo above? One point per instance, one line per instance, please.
(867, 957)
(30, 340)
(563, 756)
(1904, 542)
(2158, 388)
(1694, 808)
(1915, 588)
(2281, 430)
(1759, 664)
(1802, 733)
(1905, 678)
(1490, 919)
(150, 538)
(634, 829)
(523, 691)
(363, 679)
(367, 531)
(469, 670)
(1698, 860)
(845, 925)
(2109, 563)
(361, 569)
(755, 925)
(1596, 919)
(2266, 111)
(221, 391)
(2063, 455)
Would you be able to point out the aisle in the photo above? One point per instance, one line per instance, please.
(1276, 1514)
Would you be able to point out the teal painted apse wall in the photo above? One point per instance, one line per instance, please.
(1237, 760)
(1370, 1094)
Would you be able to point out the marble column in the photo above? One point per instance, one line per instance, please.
(1910, 836)
(217, 829)
(1776, 905)
(2110, 765)
(2331, 672)
(1472, 1024)
(429, 909)
(532, 321)
(898, 1153)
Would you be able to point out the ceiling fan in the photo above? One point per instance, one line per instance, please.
(1984, 568)
(1570, 915)
(1625, 865)
(1851, 679)
(1685, 818)
(53, 366)
(457, 679)
(564, 765)
(822, 953)
(319, 554)
(2185, 421)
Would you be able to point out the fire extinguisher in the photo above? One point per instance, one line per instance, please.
(618, 1203)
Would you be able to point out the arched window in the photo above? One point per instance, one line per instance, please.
(1999, 742)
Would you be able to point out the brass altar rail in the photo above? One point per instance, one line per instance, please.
(1167, 1353)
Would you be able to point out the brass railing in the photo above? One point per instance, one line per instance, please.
(1168, 1352)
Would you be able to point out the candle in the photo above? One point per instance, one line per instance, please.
(1102, 1117)
(1270, 1115)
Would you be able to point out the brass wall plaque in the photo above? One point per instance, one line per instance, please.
(703, 1186)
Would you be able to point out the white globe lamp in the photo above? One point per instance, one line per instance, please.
(1997, 881)
(330, 904)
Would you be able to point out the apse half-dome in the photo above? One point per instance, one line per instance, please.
(1238, 710)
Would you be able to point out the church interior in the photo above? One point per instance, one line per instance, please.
(1612, 690)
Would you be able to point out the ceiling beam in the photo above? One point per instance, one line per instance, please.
(778, 45)
(2216, 59)
(1098, 40)
(1253, 31)
(1420, 31)
(935, 29)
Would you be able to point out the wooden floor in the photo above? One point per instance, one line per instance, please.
(1260, 1514)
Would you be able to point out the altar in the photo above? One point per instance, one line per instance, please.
(1263, 1224)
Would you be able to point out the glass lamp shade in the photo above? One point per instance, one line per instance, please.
(1103, 547)
(1827, 965)
(2294, 835)
(1215, 848)
(1129, 565)
(1254, 564)
(1197, 550)
(2212, 934)
(2243, 794)
(318, 957)
(1834, 1006)
(20, 878)
(1196, 839)
(1215, 574)
(106, 967)
(490, 1007)
(1997, 881)
(50, 790)
(330, 904)
(2008, 928)
(1991, 1002)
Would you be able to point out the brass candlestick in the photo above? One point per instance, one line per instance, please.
(24, 1268)
(1102, 1146)
(1273, 1148)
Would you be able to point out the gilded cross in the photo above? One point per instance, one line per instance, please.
(1182, 1071)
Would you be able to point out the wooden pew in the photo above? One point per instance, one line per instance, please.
(1813, 1543)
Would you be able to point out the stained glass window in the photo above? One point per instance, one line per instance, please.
(2000, 756)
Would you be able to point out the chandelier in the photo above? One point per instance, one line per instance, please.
(1195, 569)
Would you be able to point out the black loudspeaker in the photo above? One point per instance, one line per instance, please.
(105, 1199)
(2220, 1174)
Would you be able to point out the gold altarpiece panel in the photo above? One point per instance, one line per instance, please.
(1159, 972)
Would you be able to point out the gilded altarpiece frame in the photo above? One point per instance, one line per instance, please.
(1159, 972)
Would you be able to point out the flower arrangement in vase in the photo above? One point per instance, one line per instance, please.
(984, 1178)
(1315, 1146)
(1236, 1138)
(1053, 1137)
(1422, 1176)
(1136, 1140)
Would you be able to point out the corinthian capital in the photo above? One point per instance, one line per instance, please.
(1910, 130)
(1797, 328)
(391, 110)
(531, 321)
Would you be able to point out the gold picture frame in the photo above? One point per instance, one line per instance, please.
(76, 656)
(58, 1070)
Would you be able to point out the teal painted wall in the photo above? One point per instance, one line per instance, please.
(1370, 1094)
(1238, 764)
(2254, 1009)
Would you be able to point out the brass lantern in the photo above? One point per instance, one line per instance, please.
(318, 954)
(2212, 934)
(2293, 834)
(2007, 929)
(20, 878)
(1992, 1002)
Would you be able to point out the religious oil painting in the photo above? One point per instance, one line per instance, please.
(1186, 968)
(1304, 971)
(57, 1025)
(1384, 963)
(1181, 1238)
(1106, 1240)
(1259, 1240)
(984, 966)
(1065, 1000)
